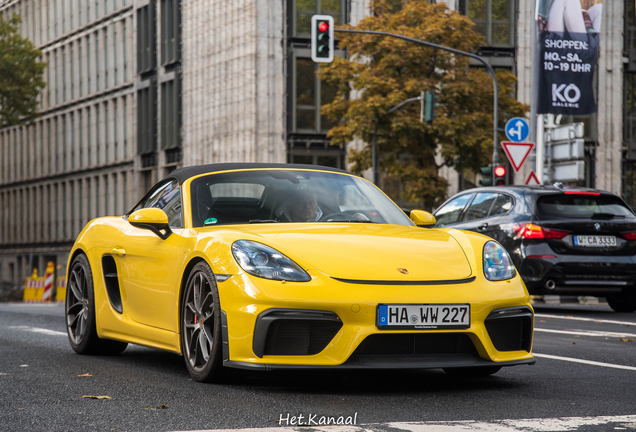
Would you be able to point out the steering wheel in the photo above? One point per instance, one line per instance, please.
(337, 216)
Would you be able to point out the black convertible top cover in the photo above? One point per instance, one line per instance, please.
(183, 174)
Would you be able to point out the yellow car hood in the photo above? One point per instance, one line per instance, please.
(370, 251)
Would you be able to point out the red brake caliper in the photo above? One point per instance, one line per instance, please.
(195, 318)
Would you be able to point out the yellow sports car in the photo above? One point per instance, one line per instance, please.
(267, 266)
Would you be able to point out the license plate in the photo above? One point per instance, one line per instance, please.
(423, 316)
(595, 241)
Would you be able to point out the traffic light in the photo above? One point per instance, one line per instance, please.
(487, 173)
(429, 107)
(500, 176)
(322, 38)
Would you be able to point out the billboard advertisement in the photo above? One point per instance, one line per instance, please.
(569, 32)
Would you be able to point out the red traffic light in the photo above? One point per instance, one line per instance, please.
(323, 26)
(500, 171)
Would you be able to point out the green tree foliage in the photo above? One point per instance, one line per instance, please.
(381, 72)
(20, 74)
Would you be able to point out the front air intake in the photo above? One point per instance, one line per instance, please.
(294, 332)
(511, 329)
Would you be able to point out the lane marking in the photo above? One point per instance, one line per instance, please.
(39, 330)
(589, 362)
(510, 425)
(601, 321)
(588, 333)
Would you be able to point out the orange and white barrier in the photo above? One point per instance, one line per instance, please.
(47, 295)
(40, 289)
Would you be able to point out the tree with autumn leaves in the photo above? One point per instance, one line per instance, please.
(381, 72)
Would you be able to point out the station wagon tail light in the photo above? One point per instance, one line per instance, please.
(629, 235)
(532, 231)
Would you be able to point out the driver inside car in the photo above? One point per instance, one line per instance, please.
(302, 206)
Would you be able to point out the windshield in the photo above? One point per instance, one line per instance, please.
(289, 196)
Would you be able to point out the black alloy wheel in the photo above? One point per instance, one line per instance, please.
(80, 312)
(201, 341)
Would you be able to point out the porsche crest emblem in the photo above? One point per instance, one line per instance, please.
(403, 271)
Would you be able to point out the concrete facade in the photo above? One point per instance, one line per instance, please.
(76, 161)
(233, 81)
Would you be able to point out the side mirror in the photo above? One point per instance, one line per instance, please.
(153, 219)
(422, 218)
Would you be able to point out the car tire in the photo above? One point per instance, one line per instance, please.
(622, 302)
(80, 312)
(201, 339)
(473, 372)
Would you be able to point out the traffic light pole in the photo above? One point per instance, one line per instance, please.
(495, 155)
(374, 156)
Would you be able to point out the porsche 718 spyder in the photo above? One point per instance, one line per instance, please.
(268, 266)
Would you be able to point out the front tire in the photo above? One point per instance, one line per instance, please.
(201, 341)
(622, 302)
(80, 313)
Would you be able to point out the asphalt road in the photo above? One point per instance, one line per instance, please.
(41, 386)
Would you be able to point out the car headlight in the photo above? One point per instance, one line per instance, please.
(265, 262)
(497, 263)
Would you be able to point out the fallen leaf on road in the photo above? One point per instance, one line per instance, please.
(96, 397)
(84, 375)
(624, 340)
(158, 407)
(24, 365)
(2, 373)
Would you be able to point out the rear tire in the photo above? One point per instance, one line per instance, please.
(622, 302)
(201, 340)
(80, 313)
(473, 372)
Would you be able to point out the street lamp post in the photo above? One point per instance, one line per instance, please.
(495, 155)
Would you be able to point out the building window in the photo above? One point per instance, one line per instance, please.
(171, 114)
(170, 31)
(309, 95)
(146, 38)
(493, 19)
(304, 9)
(146, 118)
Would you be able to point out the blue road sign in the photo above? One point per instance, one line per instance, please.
(517, 129)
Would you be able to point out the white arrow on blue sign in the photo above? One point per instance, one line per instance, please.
(517, 129)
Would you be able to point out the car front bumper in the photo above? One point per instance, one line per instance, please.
(328, 323)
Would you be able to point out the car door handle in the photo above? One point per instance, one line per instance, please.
(482, 227)
(119, 251)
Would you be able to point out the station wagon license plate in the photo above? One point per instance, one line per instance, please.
(423, 316)
(595, 241)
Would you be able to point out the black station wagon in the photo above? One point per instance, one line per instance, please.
(564, 241)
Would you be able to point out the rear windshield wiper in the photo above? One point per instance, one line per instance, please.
(262, 221)
(606, 216)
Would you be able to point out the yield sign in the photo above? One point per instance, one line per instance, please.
(517, 153)
(532, 179)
